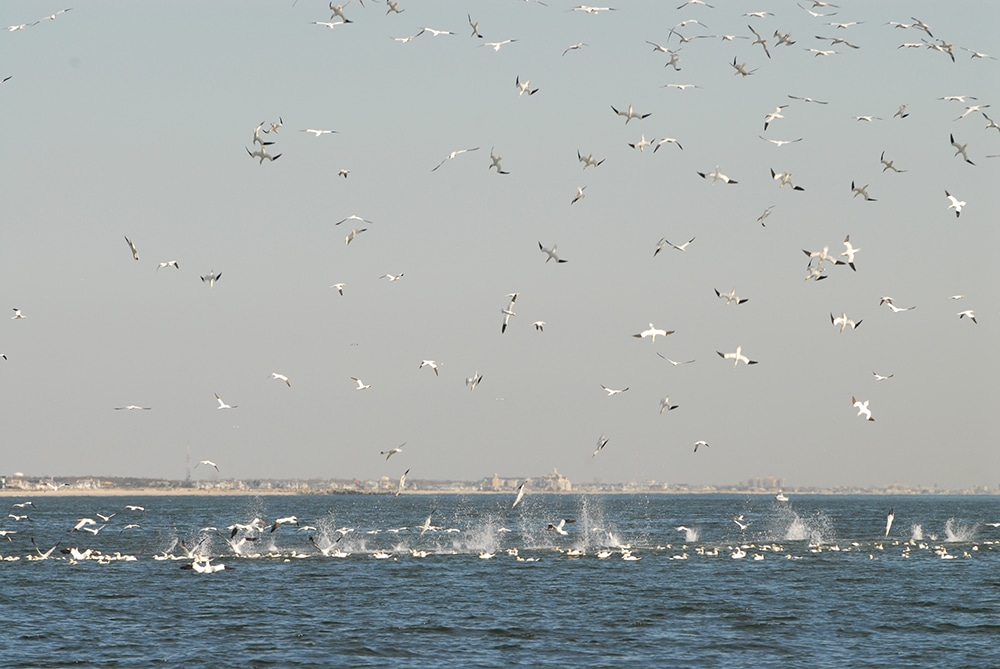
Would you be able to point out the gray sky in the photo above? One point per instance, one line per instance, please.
(133, 118)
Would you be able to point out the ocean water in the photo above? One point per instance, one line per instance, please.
(827, 588)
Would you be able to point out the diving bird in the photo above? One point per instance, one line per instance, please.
(223, 405)
(731, 297)
(784, 179)
(888, 520)
(717, 176)
(589, 161)
(665, 404)
(863, 191)
(558, 527)
(579, 194)
(281, 377)
(211, 278)
(849, 252)
(602, 441)
(352, 235)
(954, 203)
(475, 27)
(473, 381)
(263, 155)
(135, 252)
(737, 357)
(392, 451)
(862, 408)
(495, 162)
(889, 164)
(741, 69)
(844, 322)
(551, 253)
(652, 332)
(524, 87)
(960, 149)
(402, 482)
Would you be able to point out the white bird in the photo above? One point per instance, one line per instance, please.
(717, 176)
(680, 87)
(613, 391)
(862, 408)
(392, 277)
(281, 377)
(675, 363)
(361, 384)
(496, 45)
(807, 99)
(868, 118)
(169, 263)
(737, 357)
(759, 40)
(393, 7)
(849, 252)
(430, 363)
(435, 33)
(667, 140)
(592, 10)
(579, 193)
(739, 521)
(551, 253)
(473, 381)
(317, 132)
(211, 278)
(888, 520)
(207, 463)
(763, 216)
(630, 114)
(780, 142)
(970, 314)
(602, 441)
(679, 247)
(880, 377)
(452, 155)
(135, 253)
(402, 482)
(574, 47)
(652, 332)
(954, 203)
(784, 179)
(495, 162)
(392, 451)
(524, 87)
(353, 217)
(262, 154)
(741, 69)
(132, 407)
(353, 234)
(329, 24)
(343, 173)
(475, 27)
(700, 442)
(863, 191)
(665, 404)
(589, 161)
(731, 297)
(642, 143)
(539, 325)
(558, 527)
(960, 149)
(339, 287)
(223, 405)
(520, 494)
(889, 164)
(844, 322)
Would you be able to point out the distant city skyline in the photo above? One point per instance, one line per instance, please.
(157, 265)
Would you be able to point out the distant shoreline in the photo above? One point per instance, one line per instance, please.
(199, 492)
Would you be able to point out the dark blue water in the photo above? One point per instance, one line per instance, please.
(828, 589)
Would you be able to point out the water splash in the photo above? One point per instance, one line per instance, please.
(814, 529)
(958, 531)
(916, 532)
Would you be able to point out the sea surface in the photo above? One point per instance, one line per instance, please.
(820, 584)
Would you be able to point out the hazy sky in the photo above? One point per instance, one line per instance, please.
(134, 119)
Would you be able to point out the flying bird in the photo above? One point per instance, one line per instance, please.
(613, 391)
(524, 87)
(844, 322)
(700, 442)
(429, 363)
(211, 278)
(960, 149)
(453, 155)
(551, 253)
(630, 114)
(652, 332)
(558, 527)
(737, 357)
(169, 263)
(392, 451)
(862, 408)
(135, 252)
(281, 377)
(970, 314)
(602, 441)
(888, 520)
(132, 407)
(731, 297)
(955, 203)
(223, 405)
(473, 380)
(402, 482)
(361, 384)
(207, 463)
(665, 404)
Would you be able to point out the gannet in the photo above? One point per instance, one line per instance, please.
(630, 114)
(651, 332)
(737, 357)
(361, 384)
(135, 253)
(551, 253)
(281, 377)
(862, 408)
(429, 363)
(602, 441)
(954, 203)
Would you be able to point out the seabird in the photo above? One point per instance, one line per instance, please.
(207, 463)
(665, 404)
(737, 357)
(402, 482)
(223, 405)
(613, 391)
(135, 252)
(281, 377)
(862, 407)
(602, 441)
(651, 332)
(361, 384)
(630, 114)
(430, 363)
(558, 527)
(551, 253)
(955, 203)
